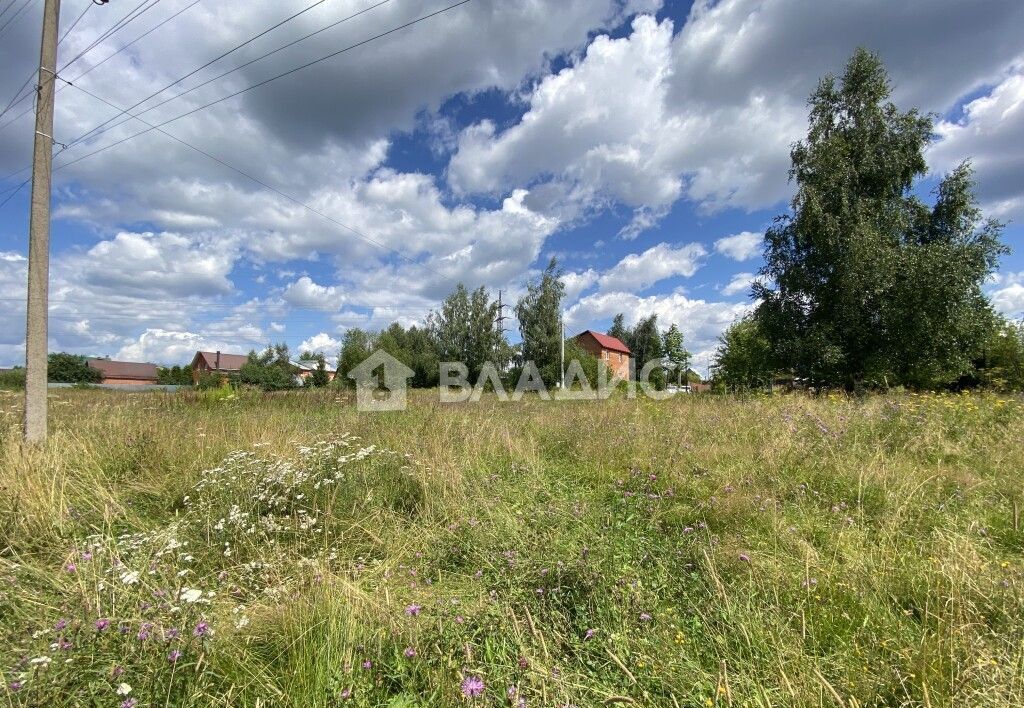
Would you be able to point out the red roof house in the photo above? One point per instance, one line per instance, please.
(607, 348)
(124, 373)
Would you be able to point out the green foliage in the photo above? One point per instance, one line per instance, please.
(540, 322)
(865, 283)
(619, 329)
(209, 380)
(62, 367)
(271, 370)
(645, 341)
(466, 330)
(587, 361)
(356, 346)
(415, 347)
(677, 358)
(743, 360)
(12, 379)
(1001, 366)
(175, 375)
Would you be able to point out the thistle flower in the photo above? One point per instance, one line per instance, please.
(590, 633)
(102, 624)
(410, 652)
(129, 703)
(472, 687)
(645, 617)
(202, 629)
(413, 610)
(60, 624)
(367, 664)
(174, 656)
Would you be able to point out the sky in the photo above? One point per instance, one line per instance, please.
(644, 144)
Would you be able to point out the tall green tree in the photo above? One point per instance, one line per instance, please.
(415, 348)
(646, 344)
(865, 282)
(744, 357)
(540, 322)
(466, 330)
(356, 346)
(619, 329)
(677, 359)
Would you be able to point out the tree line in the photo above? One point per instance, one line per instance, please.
(866, 284)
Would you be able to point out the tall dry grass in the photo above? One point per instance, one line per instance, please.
(698, 551)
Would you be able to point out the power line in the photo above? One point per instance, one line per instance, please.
(200, 68)
(18, 98)
(10, 4)
(17, 14)
(267, 81)
(96, 132)
(105, 59)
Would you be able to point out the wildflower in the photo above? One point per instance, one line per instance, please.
(129, 703)
(61, 624)
(174, 656)
(413, 610)
(645, 617)
(472, 687)
(346, 694)
(172, 633)
(191, 595)
(123, 689)
(523, 663)
(130, 578)
(367, 664)
(102, 624)
(744, 557)
(202, 629)
(70, 567)
(590, 633)
(14, 686)
(410, 652)
(116, 671)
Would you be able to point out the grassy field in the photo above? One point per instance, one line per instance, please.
(284, 550)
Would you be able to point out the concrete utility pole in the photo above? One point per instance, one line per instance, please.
(39, 233)
(561, 353)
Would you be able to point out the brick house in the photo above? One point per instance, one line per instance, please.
(216, 362)
(124, 373)
(611, 350)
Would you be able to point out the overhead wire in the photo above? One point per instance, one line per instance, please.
(266, 81)
(105, 59)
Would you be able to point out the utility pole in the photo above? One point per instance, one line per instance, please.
(39, 232)
(500, 321)
(561, 342)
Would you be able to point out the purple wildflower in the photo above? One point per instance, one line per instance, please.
(129, 703)
(117, 671)
(14, 686)
(61, 624)
(101, 624)
(346, 694)
(523, 663)
(744, 557)
(202, 629)
(86, 556)
(367, 664)
(413, 610)
(590, 633)
(645, 617)
(472, 687)
(172, 633)
(410, 652)
(70, 567)
(174, 656)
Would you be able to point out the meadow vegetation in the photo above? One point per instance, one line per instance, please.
(210, 548)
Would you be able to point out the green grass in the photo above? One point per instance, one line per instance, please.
(768, 551)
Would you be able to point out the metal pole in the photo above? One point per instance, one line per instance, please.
(561, 320)
(39, 233)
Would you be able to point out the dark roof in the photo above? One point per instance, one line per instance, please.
(228, 362)
(123, 369)
(607, 341)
